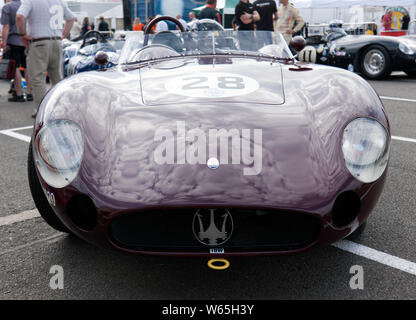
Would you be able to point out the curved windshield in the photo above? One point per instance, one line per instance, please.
(140, 47)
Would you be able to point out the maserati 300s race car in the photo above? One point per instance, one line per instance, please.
(373, 56)
(224, 145)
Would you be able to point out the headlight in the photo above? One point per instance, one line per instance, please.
(403, 47)
(366, 149)
(58, 152)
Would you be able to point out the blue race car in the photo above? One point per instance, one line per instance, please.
(80, 56)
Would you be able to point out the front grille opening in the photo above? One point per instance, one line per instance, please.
(254, 230)
(82, 212)
(346, 209)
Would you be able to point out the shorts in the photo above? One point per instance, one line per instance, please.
(18, 54)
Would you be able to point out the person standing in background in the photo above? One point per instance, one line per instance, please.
(103, 25)
(267, 10)
(405, 21)
(45, 19)
(76, 29)
(210, 12)
(86, 26)
(387, 20)
(183, 22)
(290, 20)
(245, 17)
(192, 16)
(138, 25)
(11, 38)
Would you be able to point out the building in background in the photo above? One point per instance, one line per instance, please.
(92, 8)
(114, 17)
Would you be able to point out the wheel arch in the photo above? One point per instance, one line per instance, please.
(360, 52)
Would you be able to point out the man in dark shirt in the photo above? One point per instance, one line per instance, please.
(267, 10)
(405, 21)
(210, 11)
(103, 25)
(245, 17)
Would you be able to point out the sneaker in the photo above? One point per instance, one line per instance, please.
(29, 97)
(34, 114)
(17, 98)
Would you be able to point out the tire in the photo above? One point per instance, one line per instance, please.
(375, 63)
(39, 197)
(411, 73)
(357, 233)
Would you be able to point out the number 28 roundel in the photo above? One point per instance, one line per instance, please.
(212, 85)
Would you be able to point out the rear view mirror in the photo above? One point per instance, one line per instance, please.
(101, 58)
(297, 44)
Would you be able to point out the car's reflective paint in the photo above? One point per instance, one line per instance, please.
(303, 166)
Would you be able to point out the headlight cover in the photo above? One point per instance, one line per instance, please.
(58, 152)
(403, 47)
(366, 149)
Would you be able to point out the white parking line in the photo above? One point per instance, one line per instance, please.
(12, 133)
(30, 244)
(397, 99)
(404, 139)
(21, 128)
(378, 256)
(19, 217)
(15, 135)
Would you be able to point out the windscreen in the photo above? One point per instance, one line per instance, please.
(140, 47)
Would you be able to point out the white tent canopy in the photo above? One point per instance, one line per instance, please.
(350, 3)
(112, 14)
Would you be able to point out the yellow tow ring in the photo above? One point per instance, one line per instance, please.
(224, 264)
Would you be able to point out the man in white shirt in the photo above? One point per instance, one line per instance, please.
(43, 38)
(76, 29)
(183, 22)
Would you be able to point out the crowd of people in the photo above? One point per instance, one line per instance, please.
(387, 21)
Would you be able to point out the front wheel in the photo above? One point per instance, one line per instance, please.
(376, 63)
(39, 197)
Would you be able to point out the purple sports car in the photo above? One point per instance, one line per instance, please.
(210, 143)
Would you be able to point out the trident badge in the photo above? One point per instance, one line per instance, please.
(212, 235)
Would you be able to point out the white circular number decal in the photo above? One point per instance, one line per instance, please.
(212, 85)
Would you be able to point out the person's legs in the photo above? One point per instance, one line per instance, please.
(26, 74)
(37, 61)
(18, 82)
(28, 82)
(18, 94)
(55, 62)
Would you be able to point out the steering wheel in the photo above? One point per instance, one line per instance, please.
(90, 34)
(152, 23)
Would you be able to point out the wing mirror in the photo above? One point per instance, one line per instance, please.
(297, 44)
(101, 58)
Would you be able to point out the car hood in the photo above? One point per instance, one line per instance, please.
(188, 82)
(302, 167)
(354, 39)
